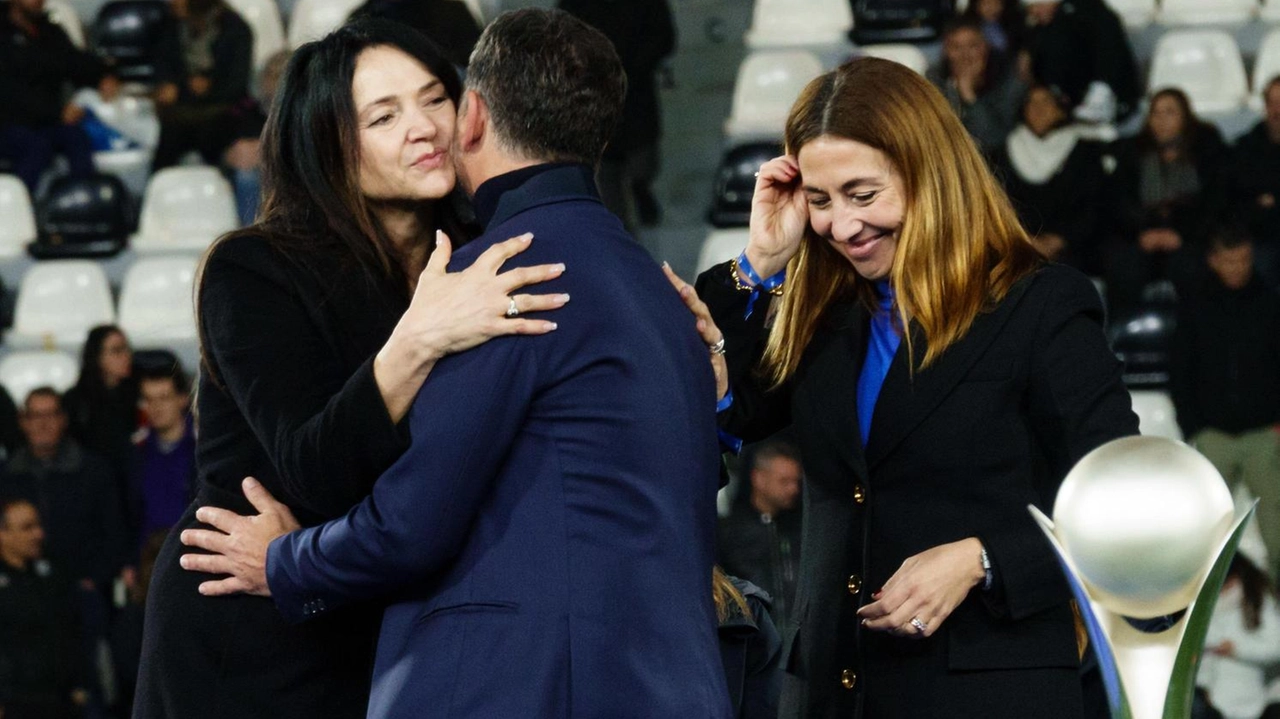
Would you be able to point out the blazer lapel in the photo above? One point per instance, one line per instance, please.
(834, 382)
(906, 401)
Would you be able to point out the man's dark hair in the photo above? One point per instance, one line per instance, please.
(1229, 237)
(45, 391)
(166, 371)
(553, 84)
(773, 449)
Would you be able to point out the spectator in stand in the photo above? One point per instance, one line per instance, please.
(127, 624)
(206, 67)
(644, 35)
(163, 479)
(750, 646)
(760, 539)
(1053, 176)
(1243, 642)
(1080, 48)
(1170, 190)
(41, 673)
(1003, 24)
(103, 404)
(1256, 175)
(449, 23)
(980, 85)
(37, 63)
(1225, 377)
(243, 159)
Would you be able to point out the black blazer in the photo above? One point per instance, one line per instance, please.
(287, 396)
(959, 450)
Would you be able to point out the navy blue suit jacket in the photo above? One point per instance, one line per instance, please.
(549, 534)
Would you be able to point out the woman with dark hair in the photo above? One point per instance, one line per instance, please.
(981, 85)
(1171, 190)
(1002, 23)
(102, 407)
(319, 324)
(939, 377)
(1243, 642)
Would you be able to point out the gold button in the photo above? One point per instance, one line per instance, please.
(848, 679)
(855, 584)
(859, 494)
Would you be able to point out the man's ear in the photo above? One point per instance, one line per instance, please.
(473, 117)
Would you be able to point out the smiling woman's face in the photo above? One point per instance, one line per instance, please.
(856, 201)
(405, 122)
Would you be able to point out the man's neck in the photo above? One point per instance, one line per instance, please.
(45, 453)
(488, 165)
(763, 507)
(174, 434)
(13, 560)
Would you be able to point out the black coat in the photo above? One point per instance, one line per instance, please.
(751, 650)
(1086, 42)
(958, 451)
(287, 396)
(1192, 217)
(232, 61)
(40, 657)
(1255, 171)
(35, 73)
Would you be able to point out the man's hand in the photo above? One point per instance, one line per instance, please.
(166, 94)
(72, 113)
(239, 547)
(199, 85)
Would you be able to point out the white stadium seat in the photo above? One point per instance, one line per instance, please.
(768, 83)
(1205, 64)
(1136, 14)
(21, 372)
(1265, 67)
(1156, 417)
(156, 301)
(185, 209)
(58, 303)
(313, 19)
(17, 217)
(61, 13)
(263, 18)
(721, 246)
(1207, 12)
(799, 23)
(899, 52)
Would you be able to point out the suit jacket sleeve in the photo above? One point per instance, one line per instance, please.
(328, 432)
(464, 422)
(1077, 402)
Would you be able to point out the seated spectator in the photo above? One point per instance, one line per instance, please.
(243, 159)
(37, 62)
(1256, 184)
(126, 626)
(1003, 24)
(1225, 377)
(447, 22)
(165, 458)
(1243, 642)
(102, 407)
(982, 88)
(1080, 48)
(41, 673)
(1053, 176)
(1170, 191)
(749, 647)
(760, 539)
(204, 78)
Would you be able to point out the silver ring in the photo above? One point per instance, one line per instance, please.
(718, 347)
(512, 310)
(919, 625)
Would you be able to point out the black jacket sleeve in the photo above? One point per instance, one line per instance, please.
(326, 429)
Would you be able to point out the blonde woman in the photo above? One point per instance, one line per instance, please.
(938, 377)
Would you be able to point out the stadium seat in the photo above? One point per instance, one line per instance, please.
(1156, 416)
(721, 246)
(313, 19)
(901, 53)
(129, 32)
(19, 218)
(82, 217)
(1141, 337)
(1205, 64)
(21, 372)
(1136, 14)
(1265, 67)
(58, 303)
(61, 13)
(736, 182)
(799, 23)
(263, 17)
(895, 21)
(768, 83)
(1206, 12)
(184, 210)
(156, 307)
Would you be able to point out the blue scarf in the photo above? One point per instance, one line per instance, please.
(881, 347)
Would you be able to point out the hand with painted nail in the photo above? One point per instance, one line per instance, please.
(236, 545)
(925, 590)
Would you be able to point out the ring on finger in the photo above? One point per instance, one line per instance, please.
(919, 625)
(718, 347)
(512, 310)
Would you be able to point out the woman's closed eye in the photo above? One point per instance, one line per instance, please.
(818, 201)
(381, 119)
(864, 198)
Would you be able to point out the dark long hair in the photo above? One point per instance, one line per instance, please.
(1194, 130)
(1255, 586)
(90, 383)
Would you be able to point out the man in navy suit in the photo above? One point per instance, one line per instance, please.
(547, 540)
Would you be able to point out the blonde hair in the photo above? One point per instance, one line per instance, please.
(726, 595)
(960, 246)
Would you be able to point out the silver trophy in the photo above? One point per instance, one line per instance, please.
(1145, 527)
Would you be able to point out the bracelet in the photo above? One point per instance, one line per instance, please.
(742, 266)
(988, 578)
